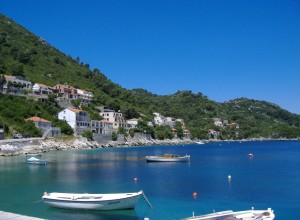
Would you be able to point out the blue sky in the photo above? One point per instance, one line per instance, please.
(223, 49)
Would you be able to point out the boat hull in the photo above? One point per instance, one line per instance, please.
(38, 162)
(248, 214)
(167, 159)
(119, 201)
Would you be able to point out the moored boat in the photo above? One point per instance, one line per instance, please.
(33, 154)
(33, 160)
(199, 142)
(240, 215)
(86, 201)
(168, 158)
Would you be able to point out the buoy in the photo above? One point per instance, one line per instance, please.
(229, 177)
(135, 179)
(195, 195)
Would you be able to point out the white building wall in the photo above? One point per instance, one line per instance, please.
(68, 116)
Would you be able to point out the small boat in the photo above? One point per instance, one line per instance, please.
(86, 201)
(33, 154)
(240, 215)
(168, 158)
(199, 142)
(33, 160)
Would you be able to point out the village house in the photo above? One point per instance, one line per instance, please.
(69, 93)
(101, 127)
(186, 133)
(132, 123)
(159, 119)
(65, 92)
(213, 134)
(77, 119)
(233, 124)
(218, 122)
(85, 97)
(45, 126)
(115, 117)
(15, 84)
(41, 89)
(171, 121)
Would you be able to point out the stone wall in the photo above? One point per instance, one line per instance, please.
(102, 138)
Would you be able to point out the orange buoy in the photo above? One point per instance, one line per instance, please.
(135, 179)
(195, 195)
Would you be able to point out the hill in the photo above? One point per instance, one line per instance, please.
(24, 54)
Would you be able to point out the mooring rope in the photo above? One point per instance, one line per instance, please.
(146, 199)
(38, 201)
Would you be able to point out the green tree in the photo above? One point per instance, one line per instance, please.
(179, 130)
(87, 134)
(114, 136)
(18, 70)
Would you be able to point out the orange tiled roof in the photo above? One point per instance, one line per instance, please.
(37, 119)
(105, 121)
(42, 85)
(75, 110)
(8, 76)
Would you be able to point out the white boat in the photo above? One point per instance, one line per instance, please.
(85, 201)
(33, 154)
(199, 142)
(168, 158)
(33, 160)
(240, 215)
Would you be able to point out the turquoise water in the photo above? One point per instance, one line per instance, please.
(270, 179)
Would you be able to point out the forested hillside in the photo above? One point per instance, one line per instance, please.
(24, 54)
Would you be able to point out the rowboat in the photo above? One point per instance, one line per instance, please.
(86, 201)
(33, 160)
(241, 215)
(168, 158)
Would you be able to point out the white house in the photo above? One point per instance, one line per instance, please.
(84, 96)
(159, 119)
(78, 120)
(15, 84)
(171, 121)
(41, 89)
(132, 123)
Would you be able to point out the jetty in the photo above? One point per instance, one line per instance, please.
(9, 215)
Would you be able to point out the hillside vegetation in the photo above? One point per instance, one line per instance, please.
(24, 54)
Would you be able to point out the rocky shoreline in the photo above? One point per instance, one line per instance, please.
(23, 147)
(26, 147)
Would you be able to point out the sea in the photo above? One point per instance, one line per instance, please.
(269, 179)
